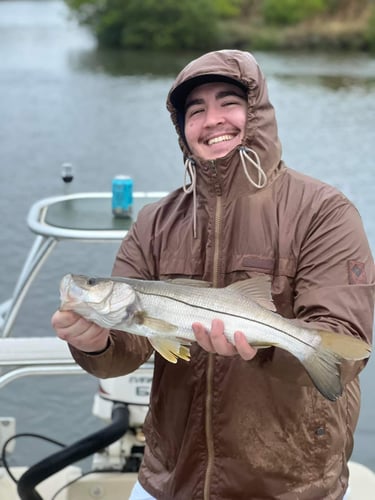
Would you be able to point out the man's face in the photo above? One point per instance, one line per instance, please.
(215, 119)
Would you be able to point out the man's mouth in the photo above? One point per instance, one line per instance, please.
(220, 138)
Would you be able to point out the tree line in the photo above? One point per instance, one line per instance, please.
(177, 25)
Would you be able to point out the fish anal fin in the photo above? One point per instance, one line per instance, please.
(170, 348)
(257, 288)
(262, 345)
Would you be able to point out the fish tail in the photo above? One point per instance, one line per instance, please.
(344, 346)
(323, 366)
(324, 371)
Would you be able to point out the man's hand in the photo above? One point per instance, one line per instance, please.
(215, 341)
(78, 332)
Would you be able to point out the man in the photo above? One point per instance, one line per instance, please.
(234, 423)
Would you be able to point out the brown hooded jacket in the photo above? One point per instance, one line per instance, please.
(221, 428)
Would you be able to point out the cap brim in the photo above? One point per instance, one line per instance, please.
(179, 94)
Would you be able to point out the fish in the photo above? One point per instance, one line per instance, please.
(163, 311)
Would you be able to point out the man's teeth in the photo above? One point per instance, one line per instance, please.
(221, 138)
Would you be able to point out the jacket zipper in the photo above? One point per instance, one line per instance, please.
(211, 357)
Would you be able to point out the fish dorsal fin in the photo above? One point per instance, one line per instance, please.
(155, 324)
(189, 282)
(170, 348)
(257, 288)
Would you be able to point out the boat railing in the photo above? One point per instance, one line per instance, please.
(22, 356)
(79, 216)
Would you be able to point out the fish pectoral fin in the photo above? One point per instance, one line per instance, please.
(158, 325)
(171, 349)
(257, 288)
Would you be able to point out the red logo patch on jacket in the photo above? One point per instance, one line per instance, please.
(357, 273)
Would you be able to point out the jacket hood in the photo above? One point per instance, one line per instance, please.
(240, 68)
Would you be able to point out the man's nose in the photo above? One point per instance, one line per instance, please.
(214, 116)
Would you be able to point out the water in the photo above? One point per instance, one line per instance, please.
(62, 101)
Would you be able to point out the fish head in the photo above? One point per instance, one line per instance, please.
(101, 300)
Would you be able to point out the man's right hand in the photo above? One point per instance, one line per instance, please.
(79, 332)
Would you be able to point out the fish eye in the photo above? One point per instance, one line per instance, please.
(92, 281)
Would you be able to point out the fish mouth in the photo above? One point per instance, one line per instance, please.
(68, 296)
(67, 302)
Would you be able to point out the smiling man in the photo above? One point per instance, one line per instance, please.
(236, 423)
(215, 119)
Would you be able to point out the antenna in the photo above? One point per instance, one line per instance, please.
(67, 175)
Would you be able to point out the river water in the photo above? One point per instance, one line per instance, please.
(104, 112)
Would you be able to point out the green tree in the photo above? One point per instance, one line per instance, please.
(285, 12)
(153, 24)
(370, 31)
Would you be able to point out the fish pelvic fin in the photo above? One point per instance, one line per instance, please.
(323, 366)
(171, 349)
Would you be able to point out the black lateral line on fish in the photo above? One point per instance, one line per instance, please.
(228, 314)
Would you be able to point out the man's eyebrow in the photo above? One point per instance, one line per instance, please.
(193, 102)
(220, 95)
(226, 93)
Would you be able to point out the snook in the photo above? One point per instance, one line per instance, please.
(164, 312)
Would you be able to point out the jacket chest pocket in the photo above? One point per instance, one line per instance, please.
(173, 264)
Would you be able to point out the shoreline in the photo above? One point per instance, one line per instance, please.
(352, 34)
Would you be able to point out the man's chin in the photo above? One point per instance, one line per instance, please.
(219, 152)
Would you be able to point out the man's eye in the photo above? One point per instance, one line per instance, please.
(230, 103)
(195, 111)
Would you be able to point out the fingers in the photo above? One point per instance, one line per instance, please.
(216, 342)
(64, 319)
(244, 349)
(202, 337)
(219, 341)
(79, 332)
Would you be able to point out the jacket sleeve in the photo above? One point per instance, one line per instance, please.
(334, 282)
(125, 352)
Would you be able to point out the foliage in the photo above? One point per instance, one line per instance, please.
(370, 31)
(229, 8)
(175, 25)
(153, 24)
(284, 12)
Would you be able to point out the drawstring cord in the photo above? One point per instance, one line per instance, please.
(191, 188)
(244, 155)
(262, 177)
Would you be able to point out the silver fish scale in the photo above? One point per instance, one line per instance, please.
(181, 305)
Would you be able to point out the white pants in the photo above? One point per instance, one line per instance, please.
(139, 493)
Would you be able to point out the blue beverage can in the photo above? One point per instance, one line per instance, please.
(122, 196)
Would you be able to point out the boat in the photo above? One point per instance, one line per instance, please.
(121, 403)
